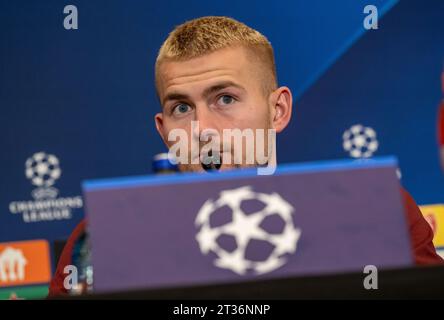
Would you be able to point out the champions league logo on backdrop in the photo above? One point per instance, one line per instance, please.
(360, 141)
(43, 170)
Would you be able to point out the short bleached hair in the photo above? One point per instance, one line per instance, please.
(204, 35)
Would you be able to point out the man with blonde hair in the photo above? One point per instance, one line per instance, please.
(221, 73)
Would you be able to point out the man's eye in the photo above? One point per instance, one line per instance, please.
(181, 108)
(225, 99)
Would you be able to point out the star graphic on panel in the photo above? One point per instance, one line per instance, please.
(245, 227)
(233, 261)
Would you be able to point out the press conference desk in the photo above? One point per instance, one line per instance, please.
(413, 283)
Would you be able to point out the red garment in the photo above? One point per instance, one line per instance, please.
(56, 286)
(421, 237)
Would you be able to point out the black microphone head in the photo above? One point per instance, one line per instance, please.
(212, 161)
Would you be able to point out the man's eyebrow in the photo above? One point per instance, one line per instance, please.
(206, 93)
(174, 96)
(221, 86)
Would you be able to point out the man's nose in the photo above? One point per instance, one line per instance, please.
(206, 122)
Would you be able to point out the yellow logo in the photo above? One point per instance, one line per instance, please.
(434, 214)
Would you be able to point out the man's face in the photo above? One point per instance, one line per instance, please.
(221, 90)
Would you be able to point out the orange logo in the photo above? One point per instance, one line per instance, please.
(25, 262)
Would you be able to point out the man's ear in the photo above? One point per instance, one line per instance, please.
(158, 118)
(281, 103)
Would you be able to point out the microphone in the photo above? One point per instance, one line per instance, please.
(163, 163)
(211, 162)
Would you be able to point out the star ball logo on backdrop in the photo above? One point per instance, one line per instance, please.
(43, 170)
(360, 141)
(247, 231)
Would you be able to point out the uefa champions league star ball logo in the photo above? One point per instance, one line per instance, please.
(245, 229)
(42, 169)
(360, 141)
